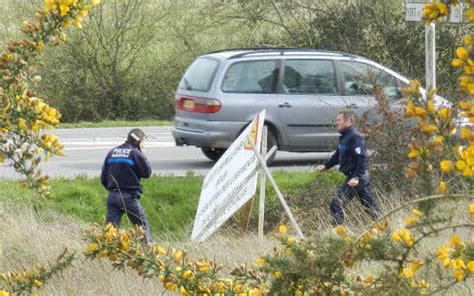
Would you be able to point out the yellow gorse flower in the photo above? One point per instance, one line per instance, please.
(470, 14)
(170, 286)
(470, 266)
(261, 262)
(459, 275)
(465, 132)
(462, 53)
(282, 229)
(417, 213)
(455, 240)
(438, 139)
(404, 236)
(430, 107)
(340, 230)
(22, 124)
(428, 128)
(444, 252)
(423, 285)
(445, 113)
(434, 10)
(410, 109)
(456, 63)
(410, 222)
(414, 153)
(49, 5)
(203, 266)
(446, 166)
(467, 40)
(188, 274)
(442, 187)
(91, 248)
(178, 255)
(184, 291)
(407, 272)
(416, 264)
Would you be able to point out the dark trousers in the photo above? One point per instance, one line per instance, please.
(345, 194)
(119, 203)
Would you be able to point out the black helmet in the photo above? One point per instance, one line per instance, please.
(135, 137)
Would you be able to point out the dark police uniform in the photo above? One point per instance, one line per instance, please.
(351, 156)
(122, 170)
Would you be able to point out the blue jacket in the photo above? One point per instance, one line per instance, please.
(351, 154)
(123, 168)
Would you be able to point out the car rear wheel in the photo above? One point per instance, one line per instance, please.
(271, 141)
(213, 153)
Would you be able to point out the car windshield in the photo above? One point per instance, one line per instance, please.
(199, 75)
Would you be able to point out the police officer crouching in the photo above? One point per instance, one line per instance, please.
(122, 170)
(351, 156)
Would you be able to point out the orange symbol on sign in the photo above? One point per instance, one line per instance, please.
(252, 136)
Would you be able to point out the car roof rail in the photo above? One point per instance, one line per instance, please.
(254, 49)
(282, 50)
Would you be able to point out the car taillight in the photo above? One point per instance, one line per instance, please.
(200, 105)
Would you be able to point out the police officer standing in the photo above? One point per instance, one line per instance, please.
(351, 156)
(122, 170)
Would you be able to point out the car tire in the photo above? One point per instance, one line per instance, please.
(271, 141)
(213, 153)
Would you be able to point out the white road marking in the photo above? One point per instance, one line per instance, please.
(100, 146)
(98, 139)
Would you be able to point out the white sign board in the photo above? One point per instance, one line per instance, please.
(414, 11)
(230, 183)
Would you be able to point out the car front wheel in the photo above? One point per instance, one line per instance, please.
(213, 153)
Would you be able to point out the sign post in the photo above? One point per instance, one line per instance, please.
(264, 167)
(263, 178)
(430, 56)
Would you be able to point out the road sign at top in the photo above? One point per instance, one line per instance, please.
(414, 11)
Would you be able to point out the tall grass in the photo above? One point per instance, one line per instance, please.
(170, 202)
(28, 238)
(36, 231)
(37, 236)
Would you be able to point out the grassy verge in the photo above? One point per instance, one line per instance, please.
(110, 123)
(170, 202)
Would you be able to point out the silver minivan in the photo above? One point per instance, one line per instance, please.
(300, 89)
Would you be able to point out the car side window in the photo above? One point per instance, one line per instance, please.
(251, 77)
(359, 79)
(309, 77)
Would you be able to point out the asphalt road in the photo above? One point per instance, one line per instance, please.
(85, 150)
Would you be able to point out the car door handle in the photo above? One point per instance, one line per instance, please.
(353, 106)
(285, 105)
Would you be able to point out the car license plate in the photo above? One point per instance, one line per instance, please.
(188, 104)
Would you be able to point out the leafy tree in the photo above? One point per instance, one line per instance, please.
(104, 70)
(371, 28)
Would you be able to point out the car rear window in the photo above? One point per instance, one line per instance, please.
(251, 77)
(199, 75)
(309, 77)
